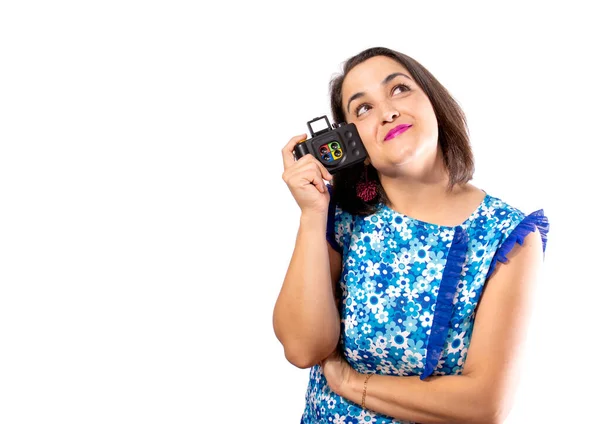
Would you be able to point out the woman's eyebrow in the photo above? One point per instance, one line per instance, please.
(384, 82)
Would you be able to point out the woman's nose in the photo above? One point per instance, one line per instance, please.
(390, 113)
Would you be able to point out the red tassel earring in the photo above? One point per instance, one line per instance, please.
(366, 190)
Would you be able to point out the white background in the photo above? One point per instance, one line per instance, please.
(145, 229)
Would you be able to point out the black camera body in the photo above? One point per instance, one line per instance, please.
(336, 148)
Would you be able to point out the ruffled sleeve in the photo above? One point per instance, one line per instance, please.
(528, 225)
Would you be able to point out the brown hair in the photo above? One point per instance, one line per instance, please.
(452, 132)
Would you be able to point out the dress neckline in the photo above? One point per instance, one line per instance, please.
(407, 218)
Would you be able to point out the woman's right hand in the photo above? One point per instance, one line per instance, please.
(304, 178)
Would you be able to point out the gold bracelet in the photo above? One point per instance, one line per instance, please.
(365, 390)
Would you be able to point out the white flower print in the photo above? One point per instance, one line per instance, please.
(446, 235)
(359, 294)
(400, 339)
(382, 316)
(393, 291)
(463, 271)
(350, 321)
(467, 295)
(368, 286)
(421, 284)
(411, 295)
(405, 256)
(414, 360)
(422, 252)
(400, 268)
(457, 342)
(488, 212)
(380, 352)
(426, 319)
(406, 234)
(374, 302)
(403, 283)
(433, 271)
(331, 403)
(372, 268)
(366, 417)
(361, 251)
(339, 420)
(353, 355)
(350, 304)
(398, 226)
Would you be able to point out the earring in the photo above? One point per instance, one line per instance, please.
(366, 190)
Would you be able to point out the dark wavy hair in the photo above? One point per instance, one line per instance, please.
(453, 135)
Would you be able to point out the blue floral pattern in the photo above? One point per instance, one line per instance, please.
(408, 292)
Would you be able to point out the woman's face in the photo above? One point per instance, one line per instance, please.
(380, 97)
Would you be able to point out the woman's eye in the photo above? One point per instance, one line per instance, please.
(359, 108)
(402, 87)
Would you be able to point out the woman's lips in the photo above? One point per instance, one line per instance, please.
(396, 131)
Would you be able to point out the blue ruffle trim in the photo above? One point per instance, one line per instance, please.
(330, 234)
(444, 305)
(528, 225)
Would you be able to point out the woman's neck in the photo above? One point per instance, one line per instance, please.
(417, 186)
(405, 194)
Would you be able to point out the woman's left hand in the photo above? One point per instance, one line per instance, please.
(337, 371)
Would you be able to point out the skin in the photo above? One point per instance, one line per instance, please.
(413, 175)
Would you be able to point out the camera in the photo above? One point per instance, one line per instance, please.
(336, 148)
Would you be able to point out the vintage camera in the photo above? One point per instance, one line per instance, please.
(336, 148)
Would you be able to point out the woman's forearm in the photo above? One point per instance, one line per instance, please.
(306, 319)
(444, 399)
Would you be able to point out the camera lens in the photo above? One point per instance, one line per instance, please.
(337, 153)
(324, 150)
(327, 157)
(335, 145)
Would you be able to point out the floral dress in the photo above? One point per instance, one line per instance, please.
(408, 292)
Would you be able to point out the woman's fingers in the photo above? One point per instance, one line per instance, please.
(309, 170)
(288, 156)
(304, 177)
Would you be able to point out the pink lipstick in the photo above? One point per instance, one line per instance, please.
(396, 131)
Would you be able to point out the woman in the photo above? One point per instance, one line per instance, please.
(409, 289)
